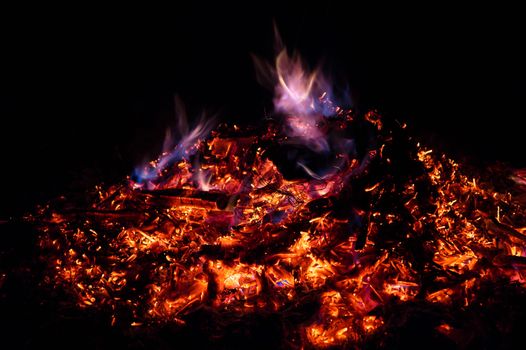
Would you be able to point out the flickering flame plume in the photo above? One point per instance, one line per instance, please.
(174, 151)
(215, 224)
(304, 97)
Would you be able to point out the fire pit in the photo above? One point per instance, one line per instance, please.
(322, 226)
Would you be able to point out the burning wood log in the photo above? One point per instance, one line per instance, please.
(510, 260)
(504, 230)
(190, 197)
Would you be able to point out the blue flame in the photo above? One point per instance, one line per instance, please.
(185, 148)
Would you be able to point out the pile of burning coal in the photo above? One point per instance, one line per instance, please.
(335, 224)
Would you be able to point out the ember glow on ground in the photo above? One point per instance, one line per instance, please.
(252, 241)
(321, 212)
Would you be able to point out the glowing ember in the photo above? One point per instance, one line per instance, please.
(217, 225)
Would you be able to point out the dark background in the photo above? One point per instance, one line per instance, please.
(86, 94)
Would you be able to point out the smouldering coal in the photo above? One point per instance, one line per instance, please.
(335, 227)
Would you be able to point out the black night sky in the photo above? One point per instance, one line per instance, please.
(91, 93)
(86, 94)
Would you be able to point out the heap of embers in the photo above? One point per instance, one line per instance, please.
(335, 226)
